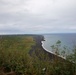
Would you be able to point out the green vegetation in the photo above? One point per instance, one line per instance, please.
(69, 65)
(23, 55)
(14, 52)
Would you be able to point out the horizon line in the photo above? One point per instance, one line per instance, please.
(35, 33)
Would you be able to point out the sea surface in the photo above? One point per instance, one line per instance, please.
(68, 41)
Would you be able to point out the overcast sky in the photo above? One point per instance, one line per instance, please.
(37, 16)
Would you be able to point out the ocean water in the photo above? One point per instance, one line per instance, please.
(67, 40)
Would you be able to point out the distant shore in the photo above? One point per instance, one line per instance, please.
(38, 39)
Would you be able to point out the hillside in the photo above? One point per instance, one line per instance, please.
(24, 55)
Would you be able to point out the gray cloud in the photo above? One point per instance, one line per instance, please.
(37, 16)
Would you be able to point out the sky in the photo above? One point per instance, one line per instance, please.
(37, 16)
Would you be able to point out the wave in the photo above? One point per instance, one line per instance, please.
(52, 52)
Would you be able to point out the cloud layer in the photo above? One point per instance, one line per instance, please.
(37, 16)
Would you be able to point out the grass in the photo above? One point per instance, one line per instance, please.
(17, 43)
(15, 58)
(14, 51)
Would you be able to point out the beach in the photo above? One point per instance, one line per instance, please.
(38, 48)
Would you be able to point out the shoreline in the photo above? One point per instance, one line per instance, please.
(46, 49)
(51, 51)
(38, 49)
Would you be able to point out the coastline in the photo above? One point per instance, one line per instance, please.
(51, 51)
(46, 49)
(38, 49)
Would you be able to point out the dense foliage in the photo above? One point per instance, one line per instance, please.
(14, 52)
(16, 58)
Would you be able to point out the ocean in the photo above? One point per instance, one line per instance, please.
(68, 40)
